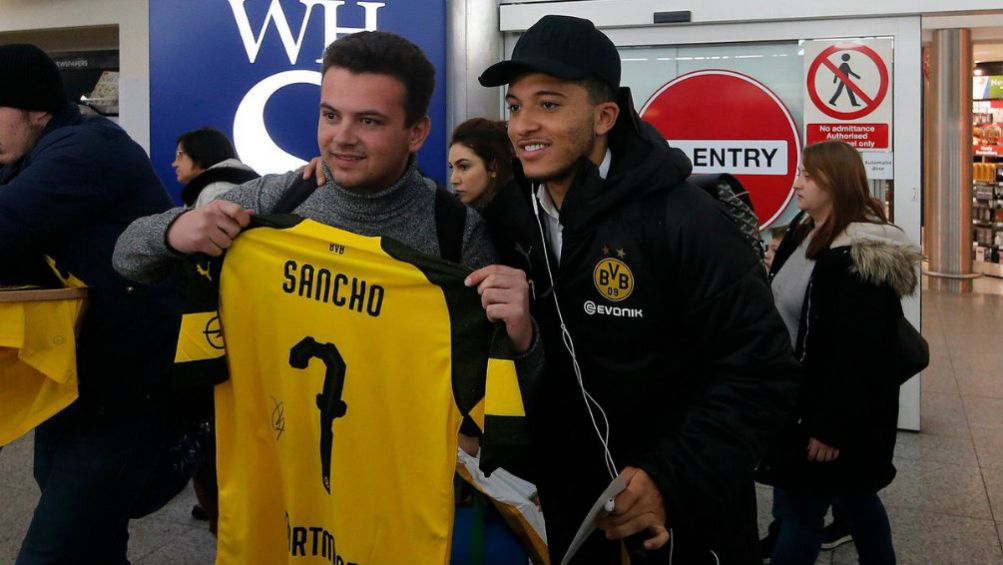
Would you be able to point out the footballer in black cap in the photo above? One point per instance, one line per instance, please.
(561, 46)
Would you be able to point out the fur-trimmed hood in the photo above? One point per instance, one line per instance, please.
(882, 254)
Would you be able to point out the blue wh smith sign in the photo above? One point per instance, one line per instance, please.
(251, 68)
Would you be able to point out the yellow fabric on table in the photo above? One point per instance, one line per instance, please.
(38, 362)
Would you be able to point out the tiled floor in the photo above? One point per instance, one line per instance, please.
(168, 537)
(946, 503)
(945, 506)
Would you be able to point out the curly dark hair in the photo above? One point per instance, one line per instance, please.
(387, 54)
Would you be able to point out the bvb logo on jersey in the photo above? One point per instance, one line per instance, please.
(613, 279)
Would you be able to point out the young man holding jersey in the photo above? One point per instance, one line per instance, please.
(373, 119)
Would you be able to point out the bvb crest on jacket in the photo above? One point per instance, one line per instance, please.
(612, 277)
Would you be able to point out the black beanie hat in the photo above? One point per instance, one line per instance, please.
(30, 79)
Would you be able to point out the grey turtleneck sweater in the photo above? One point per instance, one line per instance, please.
(405, 212)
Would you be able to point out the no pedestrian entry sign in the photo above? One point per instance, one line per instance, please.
(728, 122)
(848, 92)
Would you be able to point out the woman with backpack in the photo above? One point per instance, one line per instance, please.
(207, 165)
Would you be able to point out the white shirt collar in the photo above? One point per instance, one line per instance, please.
(607, 160)
(548, 203)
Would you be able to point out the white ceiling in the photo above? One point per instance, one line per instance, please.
(986, 28)
(987, 43)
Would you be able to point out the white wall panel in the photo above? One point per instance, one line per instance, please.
(133, 20)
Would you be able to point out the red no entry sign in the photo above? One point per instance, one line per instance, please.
(728, 122)
(845, 77)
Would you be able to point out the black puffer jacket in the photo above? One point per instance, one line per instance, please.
(850, 398)
(677, 338)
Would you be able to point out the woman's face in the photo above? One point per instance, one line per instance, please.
(469, 174)
(812, 198)
(184, 168)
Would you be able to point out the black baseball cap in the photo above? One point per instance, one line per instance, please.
(560, 46)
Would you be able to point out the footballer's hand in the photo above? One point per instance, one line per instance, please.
(315, 168)
(505, 296)
(638, 508)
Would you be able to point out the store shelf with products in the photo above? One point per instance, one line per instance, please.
(987, 128)
(987, 172)
(987, 218)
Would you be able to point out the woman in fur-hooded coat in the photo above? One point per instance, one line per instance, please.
(838, 279)
(848, 395)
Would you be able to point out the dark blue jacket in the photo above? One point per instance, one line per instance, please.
(68, 199)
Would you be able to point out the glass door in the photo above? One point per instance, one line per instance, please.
(743, 98)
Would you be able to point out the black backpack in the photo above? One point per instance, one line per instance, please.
(734, 198)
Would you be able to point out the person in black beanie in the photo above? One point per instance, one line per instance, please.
(68, 187)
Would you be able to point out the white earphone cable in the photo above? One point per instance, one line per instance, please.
(570, 346)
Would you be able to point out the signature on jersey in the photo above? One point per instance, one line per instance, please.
(278, 418)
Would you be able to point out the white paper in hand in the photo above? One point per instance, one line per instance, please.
(589, 523)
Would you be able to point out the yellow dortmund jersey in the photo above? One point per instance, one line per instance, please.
(38, 361)
(352, 361)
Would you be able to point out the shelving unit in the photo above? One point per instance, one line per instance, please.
(987, 178)
(987, 220)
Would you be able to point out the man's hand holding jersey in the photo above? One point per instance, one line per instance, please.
(208, 229)
(505, 296)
